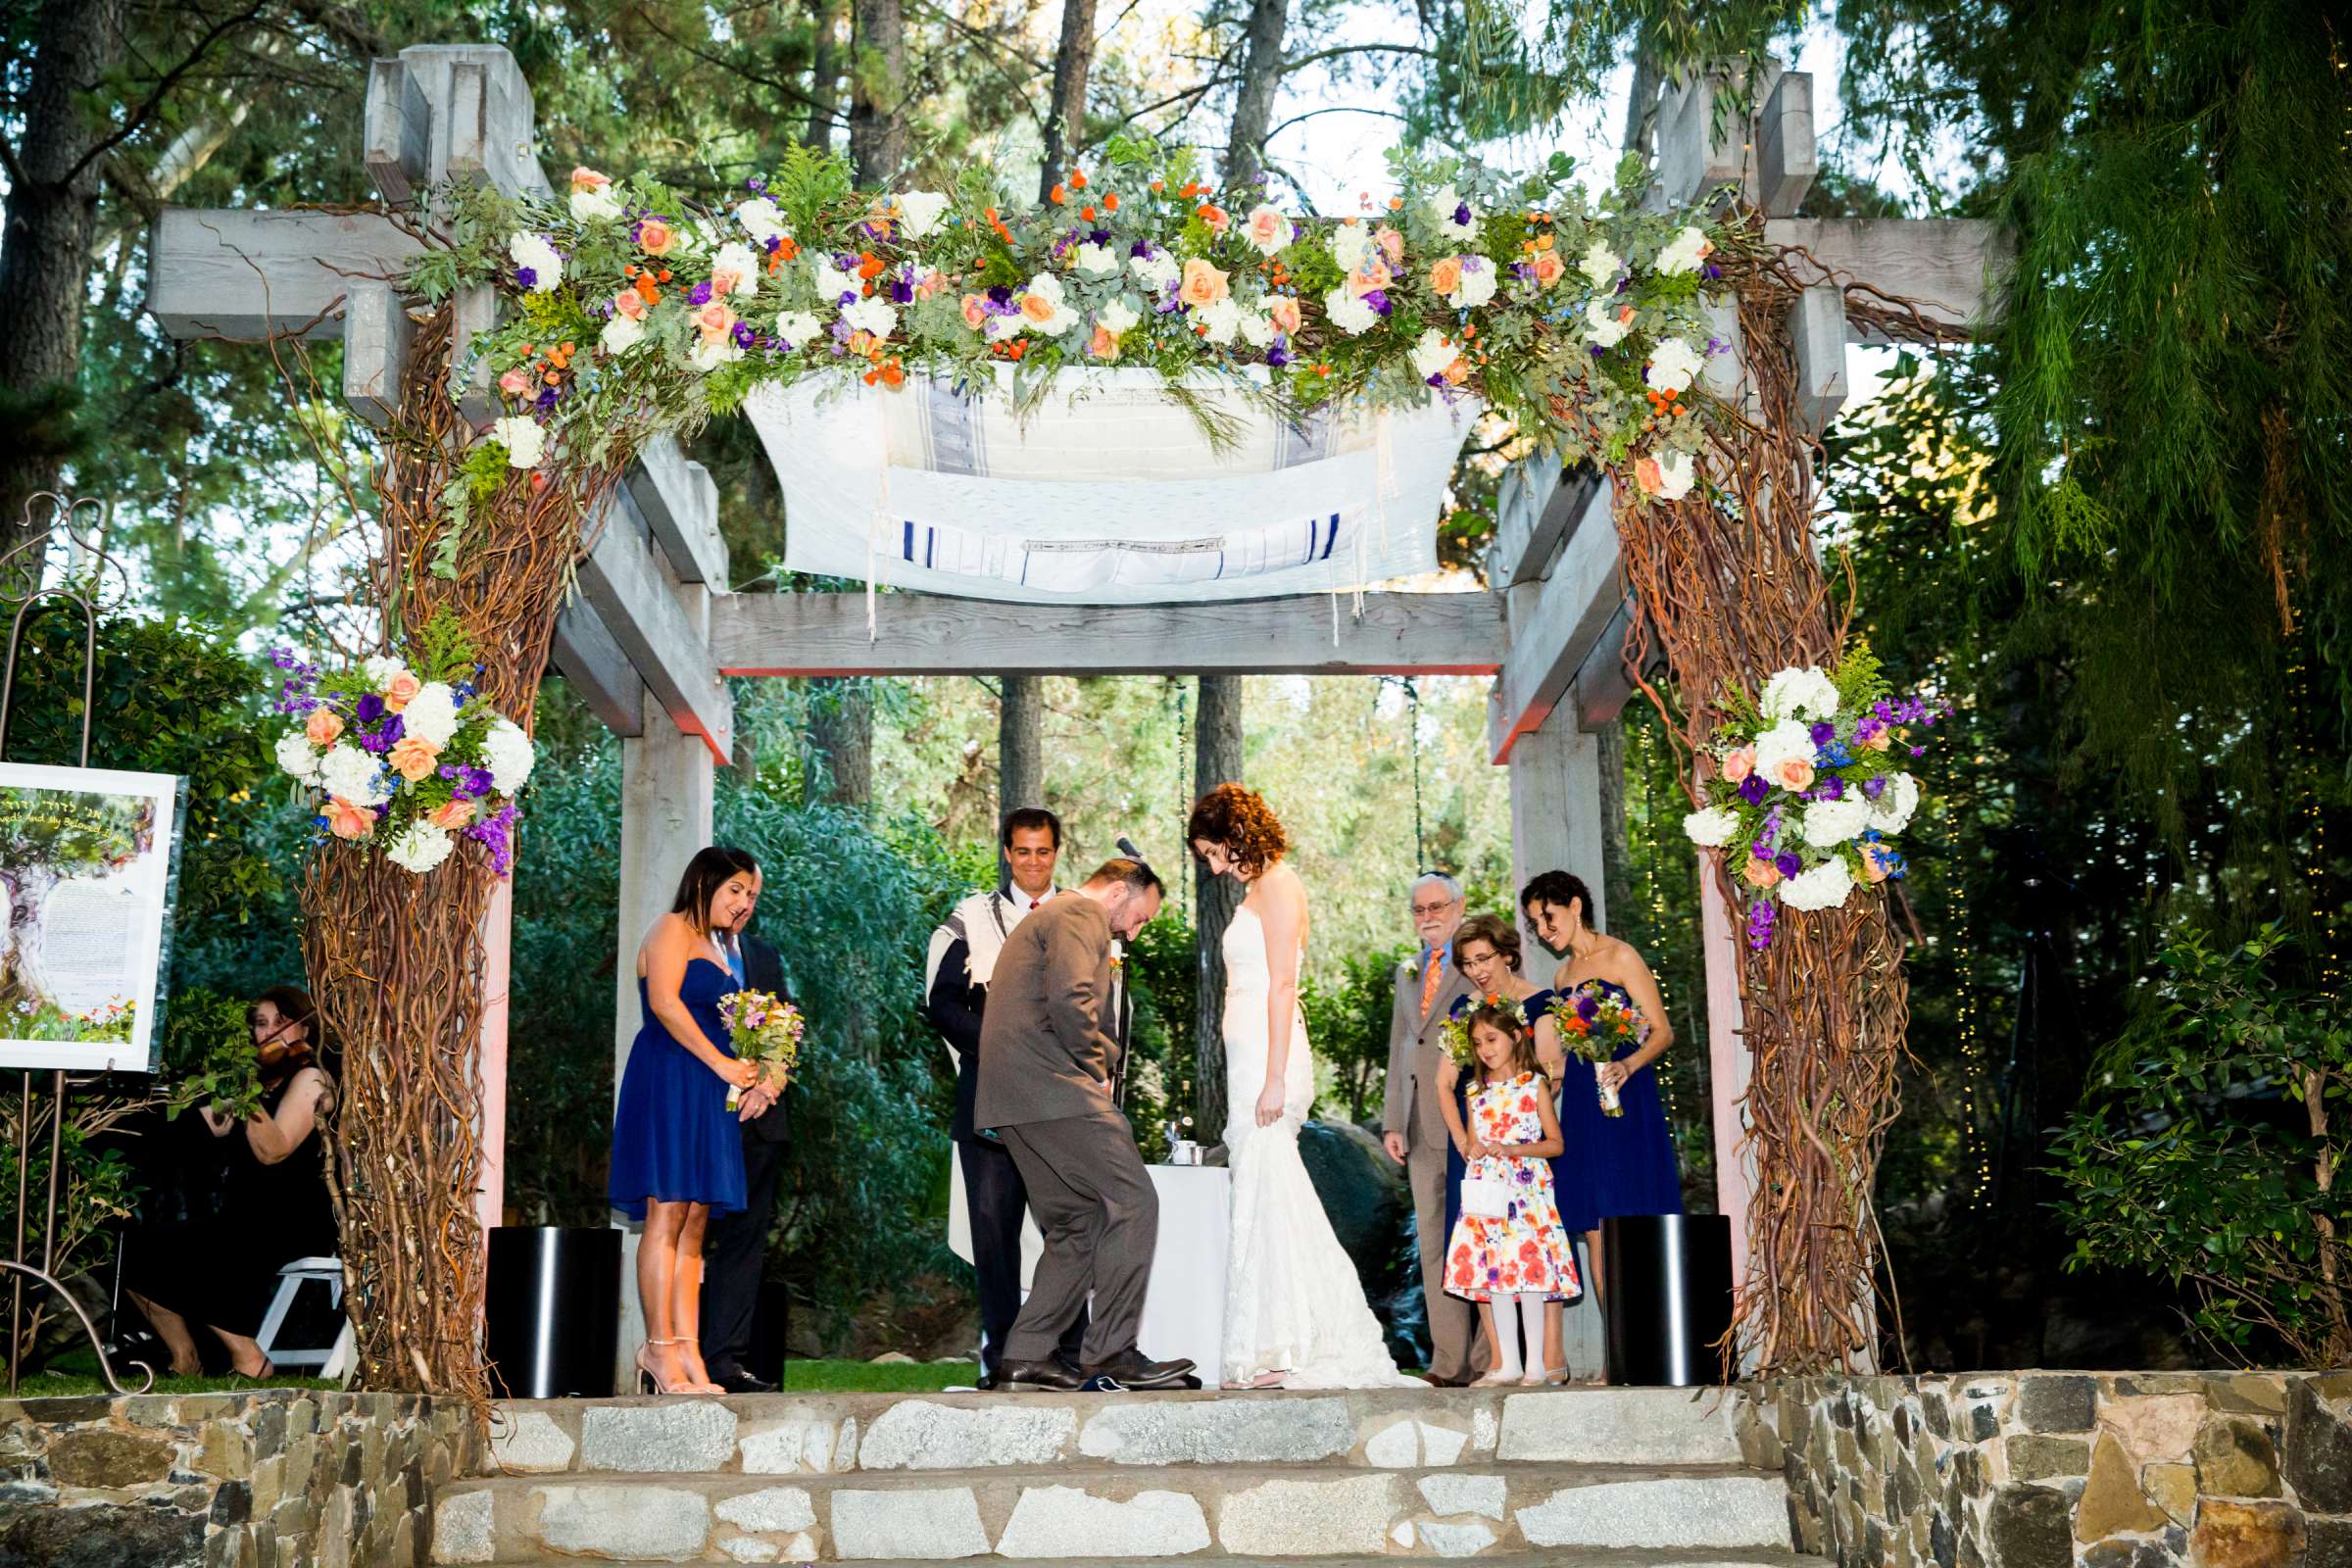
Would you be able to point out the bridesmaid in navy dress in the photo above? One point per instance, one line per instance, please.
(678, 1150)
(1487, 951)
(1629, 1165)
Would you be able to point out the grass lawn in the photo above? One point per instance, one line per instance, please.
(871, 1376)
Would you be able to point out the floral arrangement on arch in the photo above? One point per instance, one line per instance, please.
(1811, 795)
(631, 310)
(408, 760)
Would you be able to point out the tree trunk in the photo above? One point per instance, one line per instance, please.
(1020, 745)
(840, 732)
(1254, 101)
(1216, 759)
(1642, 106)
(1065, 115)
(45, 247)
(1616, 854)
(824, 77)
(877, 76)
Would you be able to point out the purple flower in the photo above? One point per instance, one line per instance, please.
(370, 709)
(526, 276)
(1753, 789)
(1524, 272)
(1587, 1008)
(1461, 212)
(757, 182)
(1142, 247)
(1823, 732)
(1278, 356)
(1381, 305)
(1100, 237)
(1000, 295)
(1712, 271)
(1760, 919)
(700, 294)
(1788, 862)
(743, 334)
(1874, 787)
(899, 290)
(545, 398)
(1831, 788)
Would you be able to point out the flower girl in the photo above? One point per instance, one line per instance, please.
(1509, 1245)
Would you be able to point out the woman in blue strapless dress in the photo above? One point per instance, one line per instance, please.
(1488, 953)
(677, 1150)
(1629, 1165)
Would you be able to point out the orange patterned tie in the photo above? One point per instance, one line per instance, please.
(1428, 983)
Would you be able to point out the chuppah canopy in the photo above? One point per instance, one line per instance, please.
(1107, 490)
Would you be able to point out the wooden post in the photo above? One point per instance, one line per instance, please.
(498, 948)
(665, 800)
(1728, 1065)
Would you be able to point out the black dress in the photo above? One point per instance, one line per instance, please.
(222, 1270)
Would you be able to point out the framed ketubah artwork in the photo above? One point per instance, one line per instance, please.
(89, 862)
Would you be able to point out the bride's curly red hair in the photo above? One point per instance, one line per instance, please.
(1239, 819)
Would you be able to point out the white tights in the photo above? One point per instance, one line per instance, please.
(1506, 1336)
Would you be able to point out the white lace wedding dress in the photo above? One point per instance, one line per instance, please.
(1292, 1305)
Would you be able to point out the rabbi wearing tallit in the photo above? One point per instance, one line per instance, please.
(992, 1201)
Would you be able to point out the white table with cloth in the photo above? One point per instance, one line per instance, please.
(1184, 1309)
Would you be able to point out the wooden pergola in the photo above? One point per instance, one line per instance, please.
(653, 630)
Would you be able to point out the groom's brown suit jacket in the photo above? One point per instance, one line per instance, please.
(1044, 1052)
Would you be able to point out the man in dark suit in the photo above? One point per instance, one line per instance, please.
(735, 1246)
(1047, 1073)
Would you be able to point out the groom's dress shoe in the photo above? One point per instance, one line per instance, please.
(1052, 1376)
(735, 1380)
(1130, 1370)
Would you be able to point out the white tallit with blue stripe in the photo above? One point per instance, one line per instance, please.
(1107, 494)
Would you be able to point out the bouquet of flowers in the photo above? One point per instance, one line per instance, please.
(406, 758)
(766, 1031)
(1454, 1034)
(1809, 794)
(1595, 1024)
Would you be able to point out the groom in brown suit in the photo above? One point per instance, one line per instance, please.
(1413, 1116)
(1046, 1070)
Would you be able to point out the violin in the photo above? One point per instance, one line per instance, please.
(283, 1059)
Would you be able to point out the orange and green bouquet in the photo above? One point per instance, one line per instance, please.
(766, 1031)
(1595, 1024)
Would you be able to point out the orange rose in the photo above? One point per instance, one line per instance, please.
(654, 237)
(1391, 243)
(1284, 308)
(1646, 477)
(1037, 307)
(715, 320)
(452, 814)
(348, 821)
(1103, 345)
(629, 302)
(411, 757)
(1549, 267)
(1738, 765)
(1760, 874)
(1446, 276)
(324, 726)
(585, 179)
(1457, 373)
(1879, 739)
(975, 311)
(402, 690)
(1793, 773)
(1216, 218)
(1202, 284)
(1373, 273)
(1876, 865)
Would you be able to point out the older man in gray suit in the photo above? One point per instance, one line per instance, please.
(1047, 1069)
(1413, 1116)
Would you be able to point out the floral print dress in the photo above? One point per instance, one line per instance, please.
(1525, 1251)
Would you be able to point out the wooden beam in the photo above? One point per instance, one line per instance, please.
(1787, 160)
(585, 655)
(632, 596)
(680, 500)
(1817, 332)
(1528, 536)
(1601, 686)
(928, 634)
(1953, 267)
(376, 335)
(481, 115)
(246, 276)
(1553, 630)
(397, 136)
(1694, 159)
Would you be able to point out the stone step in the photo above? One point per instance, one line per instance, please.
(1111, 1512)
(1571, 1558)
(1380, 1429)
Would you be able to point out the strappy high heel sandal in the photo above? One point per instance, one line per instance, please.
(650, 1381)
(704, 1386)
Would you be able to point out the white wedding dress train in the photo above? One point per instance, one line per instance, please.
(1292, 1303)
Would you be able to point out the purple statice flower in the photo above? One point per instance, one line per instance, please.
(1874, 787)
(1867, 728)
(526, 276)
(1770, 828)
(699, 295)
(495, 833)
(1788, 862)
(1760, 919)
(1753, 789)
(1524, 272)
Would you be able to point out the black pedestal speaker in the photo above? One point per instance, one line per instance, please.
(1668, 1298)
(552, 1320)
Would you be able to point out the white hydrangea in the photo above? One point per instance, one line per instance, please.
(420, 846)
(590, 205)
(349, 773)
(1349, 313)
(875, 315)
(831, 281)
(1351, 243)
(920, 212)
(733, 270)
(1154, 269)
(1059, 317)
(1684, 251)
(1221, 320)
(1477, 285)
(432, 713)
(621, 334)
(1711, 828)
(298, 756)
(1673, 365)
(1117, 318)
(507, 752)
(1095, 260)
(535, 252)
(1786, 739)
(1799, 691)
(1433, 353)
(1258, 331)
(1675, 476)
(1822, 887)
(797, 328)
(710, 353)
(382, 669)
(1600, 265)
(1896, 804)
(525, 439)
(1601, 325)
(1830, 823)
(1444, 206)
(763, 219)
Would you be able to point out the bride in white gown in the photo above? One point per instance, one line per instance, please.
(1295, 1313)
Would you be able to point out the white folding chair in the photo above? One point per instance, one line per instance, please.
(333, 1361)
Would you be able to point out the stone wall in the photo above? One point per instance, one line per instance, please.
(2048, 1469)
(273, 1479)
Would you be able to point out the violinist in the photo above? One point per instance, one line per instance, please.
(223, 1273)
